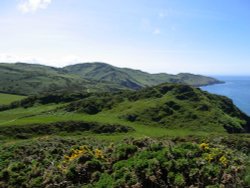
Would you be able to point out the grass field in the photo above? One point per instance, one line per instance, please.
(9, 98)
(46, 154)
(43, 151)
(45, 114)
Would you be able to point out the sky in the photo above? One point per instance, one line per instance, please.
(209, 37)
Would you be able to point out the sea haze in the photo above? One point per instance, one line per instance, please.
(236, 87)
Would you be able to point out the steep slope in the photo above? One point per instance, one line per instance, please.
(196, 80)
(168, 105)
(171, 106)
(104, 72)
(32, 79)
(134, 78)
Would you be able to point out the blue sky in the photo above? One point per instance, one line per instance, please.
(200, 36)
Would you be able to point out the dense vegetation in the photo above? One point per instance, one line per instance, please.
(31, 130)
(170, 135)
(31, 79)
(168, 105)
(80, 162)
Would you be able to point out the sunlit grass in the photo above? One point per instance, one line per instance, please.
(45, 114)
(9, 98)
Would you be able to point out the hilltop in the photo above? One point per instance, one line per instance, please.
(32, 79)
(134, 79)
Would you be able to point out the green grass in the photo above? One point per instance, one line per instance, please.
(45, 114)
(9, 98)
(56, 145)
(151, 107)
(184, 103)
(24, 131)
(133, 78)
(20, 115)
(31, 79)
(32, 162)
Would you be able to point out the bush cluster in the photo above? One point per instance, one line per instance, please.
(32, 130)
(58, 162)
(44, 99)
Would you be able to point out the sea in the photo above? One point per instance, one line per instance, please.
(235, 87)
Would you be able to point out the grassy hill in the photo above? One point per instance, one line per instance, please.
(134, 78)
(166, 105)
(171, 106)
(31, 79)
(74, 132)
(170, 135)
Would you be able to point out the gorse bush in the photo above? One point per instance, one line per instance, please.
(130, 163)
(32, 130)
(45, 99)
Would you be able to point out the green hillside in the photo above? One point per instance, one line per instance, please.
(169, 135)
(8, 98)
(134, 78)
(171, 106)
(167, 105)
(31, 79)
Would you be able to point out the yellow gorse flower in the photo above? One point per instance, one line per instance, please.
(98, 153)
(204, 146)
(210, 157)
(75, 153)
(223, 160)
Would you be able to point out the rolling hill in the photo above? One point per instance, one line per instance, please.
(33, 79)
(134, 79)
(172, 106)
(169, 135)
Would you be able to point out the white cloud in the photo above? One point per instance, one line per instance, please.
(157, 31)
(27, 6)
(8, 58)
(51, 61)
